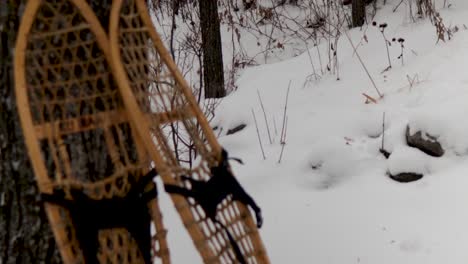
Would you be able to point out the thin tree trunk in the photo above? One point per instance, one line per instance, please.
(358, 12)
(213, 73)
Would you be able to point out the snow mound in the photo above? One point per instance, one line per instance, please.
(332, 162)
(444, 124)
(407, 159)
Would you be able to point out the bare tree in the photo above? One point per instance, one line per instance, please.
(213, 71)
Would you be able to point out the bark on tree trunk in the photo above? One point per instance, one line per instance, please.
(25, 235)
(358, 12)
(213, 72)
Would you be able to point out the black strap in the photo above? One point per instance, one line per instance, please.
(148, 177)
(209, 194)
(237, 191)
(235, 246)
(89, 216)
(149, 195)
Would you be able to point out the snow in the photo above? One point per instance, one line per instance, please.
(330, 199)
(445, 124)
(405, 159)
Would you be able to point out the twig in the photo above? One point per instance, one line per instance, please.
(264, 116)
(283, 143)
(383, 130)
(363, 65)
(386, 69)
(382, 148)
(396, 7)
(310, 59)
(402, 46)
(284, 128)
(386, 45)
(258, 134)
(411, 81)
(274, 126)
(284, 114)
(369, 99)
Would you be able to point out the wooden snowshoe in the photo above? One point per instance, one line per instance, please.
(90, 167)
(144, 69)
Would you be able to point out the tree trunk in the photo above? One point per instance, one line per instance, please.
(25, 235)
(213, 73)
(358, 12)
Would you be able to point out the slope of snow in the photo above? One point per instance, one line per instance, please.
(330, 200)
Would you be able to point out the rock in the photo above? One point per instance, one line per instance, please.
(427, 143)
(385, 153)
(406, 177)
(236, 129)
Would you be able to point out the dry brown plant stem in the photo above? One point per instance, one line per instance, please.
(363, 65)
(258, 134)
(265, 117)
(284, 126)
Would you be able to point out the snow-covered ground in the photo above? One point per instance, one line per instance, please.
(330, 199)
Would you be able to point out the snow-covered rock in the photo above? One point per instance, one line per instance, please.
(235, 129)
(424, 142)
(407, 164)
